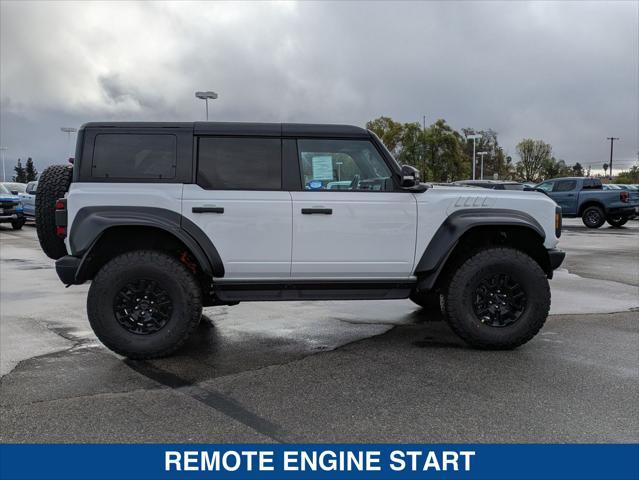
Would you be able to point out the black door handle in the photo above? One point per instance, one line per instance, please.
(321, 211)
(208, 210)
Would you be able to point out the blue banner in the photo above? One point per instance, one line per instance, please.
(320, 461)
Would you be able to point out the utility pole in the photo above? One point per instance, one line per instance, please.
(612, 141)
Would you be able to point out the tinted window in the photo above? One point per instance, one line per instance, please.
(565, 186)
(133, 156)
(240, 163)
(342, 165)
(513, 186)
(546, 186)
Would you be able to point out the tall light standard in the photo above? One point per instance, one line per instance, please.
(4, 173)
(481, 154)
(474, 138)
(612, 141)
(68, 131)
(205, 96)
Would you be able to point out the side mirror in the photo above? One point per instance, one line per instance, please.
(409, 176)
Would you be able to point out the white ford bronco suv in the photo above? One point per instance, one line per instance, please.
(166, 218)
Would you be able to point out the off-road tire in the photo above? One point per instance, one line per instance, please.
(462, 287)
(17, 224)
(593, 217)
(427, 300)
(53, 183)
(169, 273)
(616, 222)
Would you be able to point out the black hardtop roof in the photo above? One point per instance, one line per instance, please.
(242, 128)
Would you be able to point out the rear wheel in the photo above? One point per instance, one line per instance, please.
(497, 299)
(617, 222)
(144, 304)
(17, 224)
(593, 217)
(54, 182)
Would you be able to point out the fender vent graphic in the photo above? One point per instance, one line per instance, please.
(476, 201)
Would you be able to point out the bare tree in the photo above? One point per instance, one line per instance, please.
(533, 154)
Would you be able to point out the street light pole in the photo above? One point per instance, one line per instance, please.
(612, 141)
(473, 137)
(205, 96)
(4, 173)
(481, 154)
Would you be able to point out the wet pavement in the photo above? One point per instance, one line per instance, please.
(327, 371)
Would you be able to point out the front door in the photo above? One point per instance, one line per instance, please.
(564, 193)
(239, 204)
(350, 221)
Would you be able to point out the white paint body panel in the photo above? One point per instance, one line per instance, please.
(252, 236)
(94, 194)
(369, 234)
(437, 203)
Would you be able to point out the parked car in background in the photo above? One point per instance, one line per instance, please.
(492, 184)
(586, 198)
(15, 188)
(10, 209)
(28, 200)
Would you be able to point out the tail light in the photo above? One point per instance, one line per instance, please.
(61, 217)
(624, 196)
(558, 222)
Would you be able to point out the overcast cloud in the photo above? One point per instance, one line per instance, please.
(565, 72)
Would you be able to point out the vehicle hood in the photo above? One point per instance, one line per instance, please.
(9, 198)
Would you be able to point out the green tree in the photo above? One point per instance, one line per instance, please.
(389, 132)
(445, 157)
(21, 174)
(605, 167)
(30, 170)
(578, 170)
(553, 168)
(413, 147)
(533, 154)
(496, 161)
(628, 176)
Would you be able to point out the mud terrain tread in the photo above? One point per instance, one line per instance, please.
(538, 307)
(125, 264)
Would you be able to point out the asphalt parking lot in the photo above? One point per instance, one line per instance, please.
(327, 371)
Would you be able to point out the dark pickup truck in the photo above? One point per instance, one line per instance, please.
(585, 197)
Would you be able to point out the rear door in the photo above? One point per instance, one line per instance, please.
(365, 229)
(564, 193)
(28, 199)
(239, 203)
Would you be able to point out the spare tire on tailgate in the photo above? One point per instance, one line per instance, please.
(53, 183)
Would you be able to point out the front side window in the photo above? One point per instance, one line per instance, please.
(134, 156)
(565, 186)
(546, 186)
(342, 165)
(239, 163)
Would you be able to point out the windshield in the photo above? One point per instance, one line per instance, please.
(3, 190)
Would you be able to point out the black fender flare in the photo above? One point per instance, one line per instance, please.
(451, 230)
(91, 222)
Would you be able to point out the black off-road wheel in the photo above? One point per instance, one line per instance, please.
(17, 224)
(53, 183)
(593, 217)
(144, 304)
(498, 299)
(616, 222)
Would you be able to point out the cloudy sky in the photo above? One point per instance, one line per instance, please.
(565, 72)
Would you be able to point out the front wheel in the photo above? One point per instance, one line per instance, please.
(616, 222)
(144, 304)
(498, 299)
(593, 217)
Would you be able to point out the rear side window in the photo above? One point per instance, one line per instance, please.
(513, 186)
(565, 185)
(239, 163)
(134, 156)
